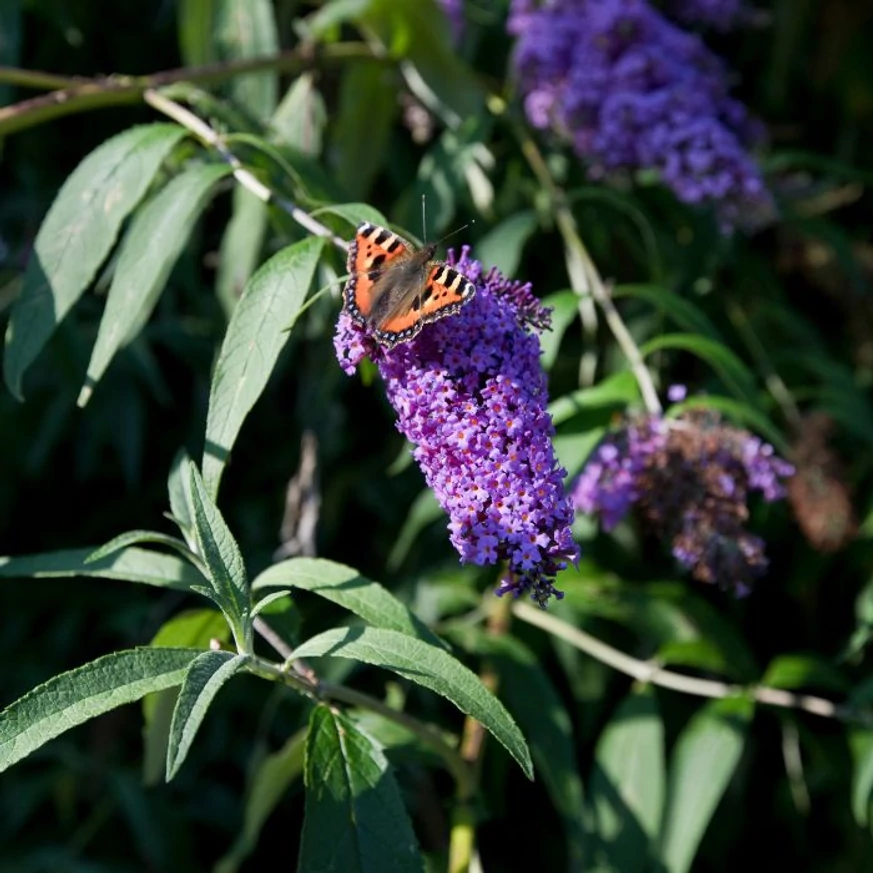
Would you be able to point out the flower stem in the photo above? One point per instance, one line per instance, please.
(652, 672)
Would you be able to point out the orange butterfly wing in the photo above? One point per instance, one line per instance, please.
(445, 292)
(433, 291)
(371, 253)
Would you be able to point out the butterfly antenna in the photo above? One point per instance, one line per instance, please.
(424, 217)
(471, 222)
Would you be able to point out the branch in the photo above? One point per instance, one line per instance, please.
(76, 95)
(652, 672)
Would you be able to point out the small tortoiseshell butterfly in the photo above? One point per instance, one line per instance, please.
(395, 290)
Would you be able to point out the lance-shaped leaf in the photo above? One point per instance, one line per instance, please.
(151, 247)
(355, 819)
(255, 336)
(205, 676)
(131, 564)
(704, 760)
(626, 788)
(346, 587)
(247, 29)
(223, 560)
(77, 234)
(240, 250)
(81, 694)
(430, 667)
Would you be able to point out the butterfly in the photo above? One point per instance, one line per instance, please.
(395, 290)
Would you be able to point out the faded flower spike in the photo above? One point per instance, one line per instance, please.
(471, 396)
(632, 91)
(689, 479)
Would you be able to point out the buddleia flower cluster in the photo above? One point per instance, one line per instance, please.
(689, 481)
(470, 394)
(630, 90)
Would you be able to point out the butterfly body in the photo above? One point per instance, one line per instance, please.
(395, 290)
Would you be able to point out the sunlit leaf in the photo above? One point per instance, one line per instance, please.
(77, 234)
(345, 586)
(247, 29)
(129, 564)
(626, 788)
(71, 698)
(255, 336)
(355, 819)
(430, 667)
(206, 674)
(704, 760)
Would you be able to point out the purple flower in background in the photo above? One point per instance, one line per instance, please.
(632, 91)
(690, 479)
(471, 395)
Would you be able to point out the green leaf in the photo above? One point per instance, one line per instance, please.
(367, 102)
(616, 391)
(687, 315)
(731, 370)
(353, 213)
(71, 698)
(131, 564)
(565, 307)
(355, 819)
(347, 588)
(150, 249)
(430, 667)
(502, 246)
(133, 537)
(255, 336)
(204, 679)
(223, 559)
(192, 629)
(704, 760)
(626, 788)
(240, 247)
(861, 745)
(77, 234)
(301, 117)
(195, 25)
(247, 29)
(180, 496)
(270, 781)
(804, 671)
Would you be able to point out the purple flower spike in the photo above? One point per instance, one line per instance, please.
(469, 392)
(689, 480)
(632, 91)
